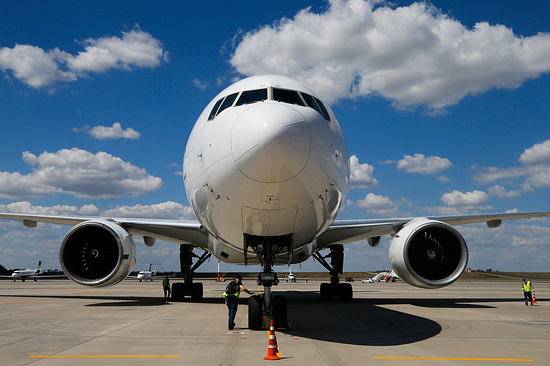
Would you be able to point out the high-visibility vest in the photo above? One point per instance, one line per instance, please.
(527, 286)
(237, 293)
(165, 282)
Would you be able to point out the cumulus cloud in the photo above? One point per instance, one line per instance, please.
(421, 164)
(539, 153)
(412, 55)
(361, 175)
(39, 68)
(377, 205)
(456, 198)
(25, 207)
(113, 132)
(165, 210)
(534, 174)
(79, 173)
(501, 192)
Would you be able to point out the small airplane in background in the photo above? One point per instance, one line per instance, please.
(24, 274)
(147, 275)
(292, 277)
(386, 276)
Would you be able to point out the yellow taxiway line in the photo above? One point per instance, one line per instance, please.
(105, 356)
(455, 359)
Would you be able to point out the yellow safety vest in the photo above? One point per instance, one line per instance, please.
(527, 286)
(225, 294)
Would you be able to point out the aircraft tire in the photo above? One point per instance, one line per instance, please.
(178, 291)
(345, 292)
(279, 312)
(196, 291)
(255, 313)
(327, 291)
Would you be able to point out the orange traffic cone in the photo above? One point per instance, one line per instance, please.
(534, 299)
(272, 348)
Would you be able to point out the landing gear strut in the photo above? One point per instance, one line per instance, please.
(188, 287)
(343, 291)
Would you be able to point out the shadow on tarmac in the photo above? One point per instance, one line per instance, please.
(366, 322)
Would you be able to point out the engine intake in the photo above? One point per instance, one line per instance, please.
(428, 253)
(97, 253)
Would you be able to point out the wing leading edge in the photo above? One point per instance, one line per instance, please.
(349, 231)
(177, 231)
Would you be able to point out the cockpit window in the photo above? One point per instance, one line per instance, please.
(252, 96)
(215, 109)
(312, 103)
(287, 96)
(228, 102)
(316, 104)
(322, 106)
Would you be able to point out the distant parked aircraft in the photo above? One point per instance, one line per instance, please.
(24, 274)
(387, 276)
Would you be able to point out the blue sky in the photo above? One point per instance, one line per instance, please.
(444, 106)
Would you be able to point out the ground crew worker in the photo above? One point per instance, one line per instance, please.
(166, 287)
(527, 291)
(232, 300)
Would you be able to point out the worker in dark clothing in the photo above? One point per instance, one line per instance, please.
(527, 291)
(231, 294)
(166, 287)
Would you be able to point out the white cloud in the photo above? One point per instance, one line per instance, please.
(539, 153)
(361, 175)
(39, 68)
(165, 210)
(24, 207)
(501, 192)
(412, 55)
(456, 198)
(377, 205)
(199, 84)
(113, 132)
(512, 241)
(79, 173)
(421, 164)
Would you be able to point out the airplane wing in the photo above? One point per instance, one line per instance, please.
(177, 231)
(349, 231)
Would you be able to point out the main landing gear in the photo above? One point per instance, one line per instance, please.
(343, 291)
(188, 287)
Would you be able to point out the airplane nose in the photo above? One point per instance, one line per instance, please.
(270, 142)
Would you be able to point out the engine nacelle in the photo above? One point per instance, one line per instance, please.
(97, 253)
(429, 254)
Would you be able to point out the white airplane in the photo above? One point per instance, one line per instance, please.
(387, 276)
(266, 170)
(292, 277)
(147, 275)
(25, 274)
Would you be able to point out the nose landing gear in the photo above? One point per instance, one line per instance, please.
(262, 308)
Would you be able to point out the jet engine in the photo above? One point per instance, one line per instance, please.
(97, 253)
(429, 254)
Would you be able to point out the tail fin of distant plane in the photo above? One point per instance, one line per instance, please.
(39, 265)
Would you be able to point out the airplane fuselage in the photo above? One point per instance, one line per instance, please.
(266, 159)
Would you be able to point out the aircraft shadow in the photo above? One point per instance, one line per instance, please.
(125, 300)
(366, 322)
(357, 322)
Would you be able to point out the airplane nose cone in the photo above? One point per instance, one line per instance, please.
(270, 142)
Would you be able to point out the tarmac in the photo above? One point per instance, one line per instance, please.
(56, 322)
